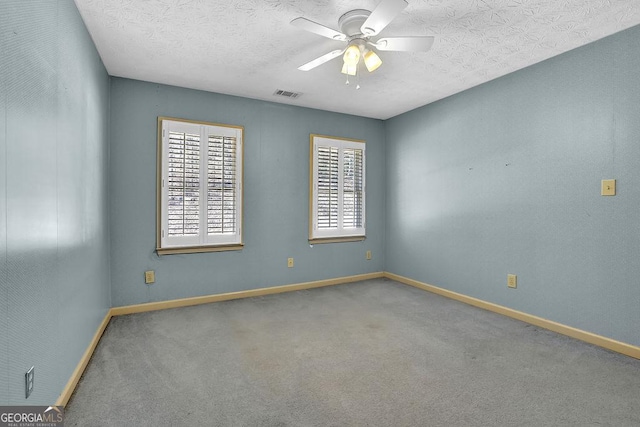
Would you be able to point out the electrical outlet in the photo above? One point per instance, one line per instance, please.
(290, 262)
(368, 254)
(28, 382)
(149, 277)
(512, 281)
(608, 187)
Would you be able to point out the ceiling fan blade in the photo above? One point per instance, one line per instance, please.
(321, 60)
(405, 44)
(314, 27)
(382, 15)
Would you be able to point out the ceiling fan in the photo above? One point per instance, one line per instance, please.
(359, 28)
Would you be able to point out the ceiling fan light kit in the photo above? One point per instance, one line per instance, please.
(371, 60)
(358, 28)
(352, 55)
(349, 70)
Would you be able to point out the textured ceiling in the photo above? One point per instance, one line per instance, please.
(248, 48)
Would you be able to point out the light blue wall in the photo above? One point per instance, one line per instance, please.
(505, 178)
(4, 271)
(276, 194)
(54, 282)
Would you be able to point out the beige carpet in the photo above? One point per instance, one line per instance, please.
(374, 353)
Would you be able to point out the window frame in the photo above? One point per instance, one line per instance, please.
(215, 245)
(341, 234)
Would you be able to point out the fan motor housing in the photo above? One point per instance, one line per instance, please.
(351, 22)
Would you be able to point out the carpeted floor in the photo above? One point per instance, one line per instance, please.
(374, 353)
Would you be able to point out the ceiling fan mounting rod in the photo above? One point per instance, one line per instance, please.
(358, 41)
(351, 22)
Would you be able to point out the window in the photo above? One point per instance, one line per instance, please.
(337, 205)
(199, 186)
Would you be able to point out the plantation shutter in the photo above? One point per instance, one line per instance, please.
(338, 199)
(222, 196)
(183, 184)
(327, 188)
(353, 193)
(201, 185)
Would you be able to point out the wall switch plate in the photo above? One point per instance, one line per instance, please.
(149, 277)
(28, 382)
(290, 262)
(512, 281)
(608, 187)
(368, 254)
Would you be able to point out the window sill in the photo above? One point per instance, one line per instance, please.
(198, 249)
(336, 240)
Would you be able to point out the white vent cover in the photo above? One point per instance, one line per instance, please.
(287, 94)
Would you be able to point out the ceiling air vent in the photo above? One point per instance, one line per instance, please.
(287, 94)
